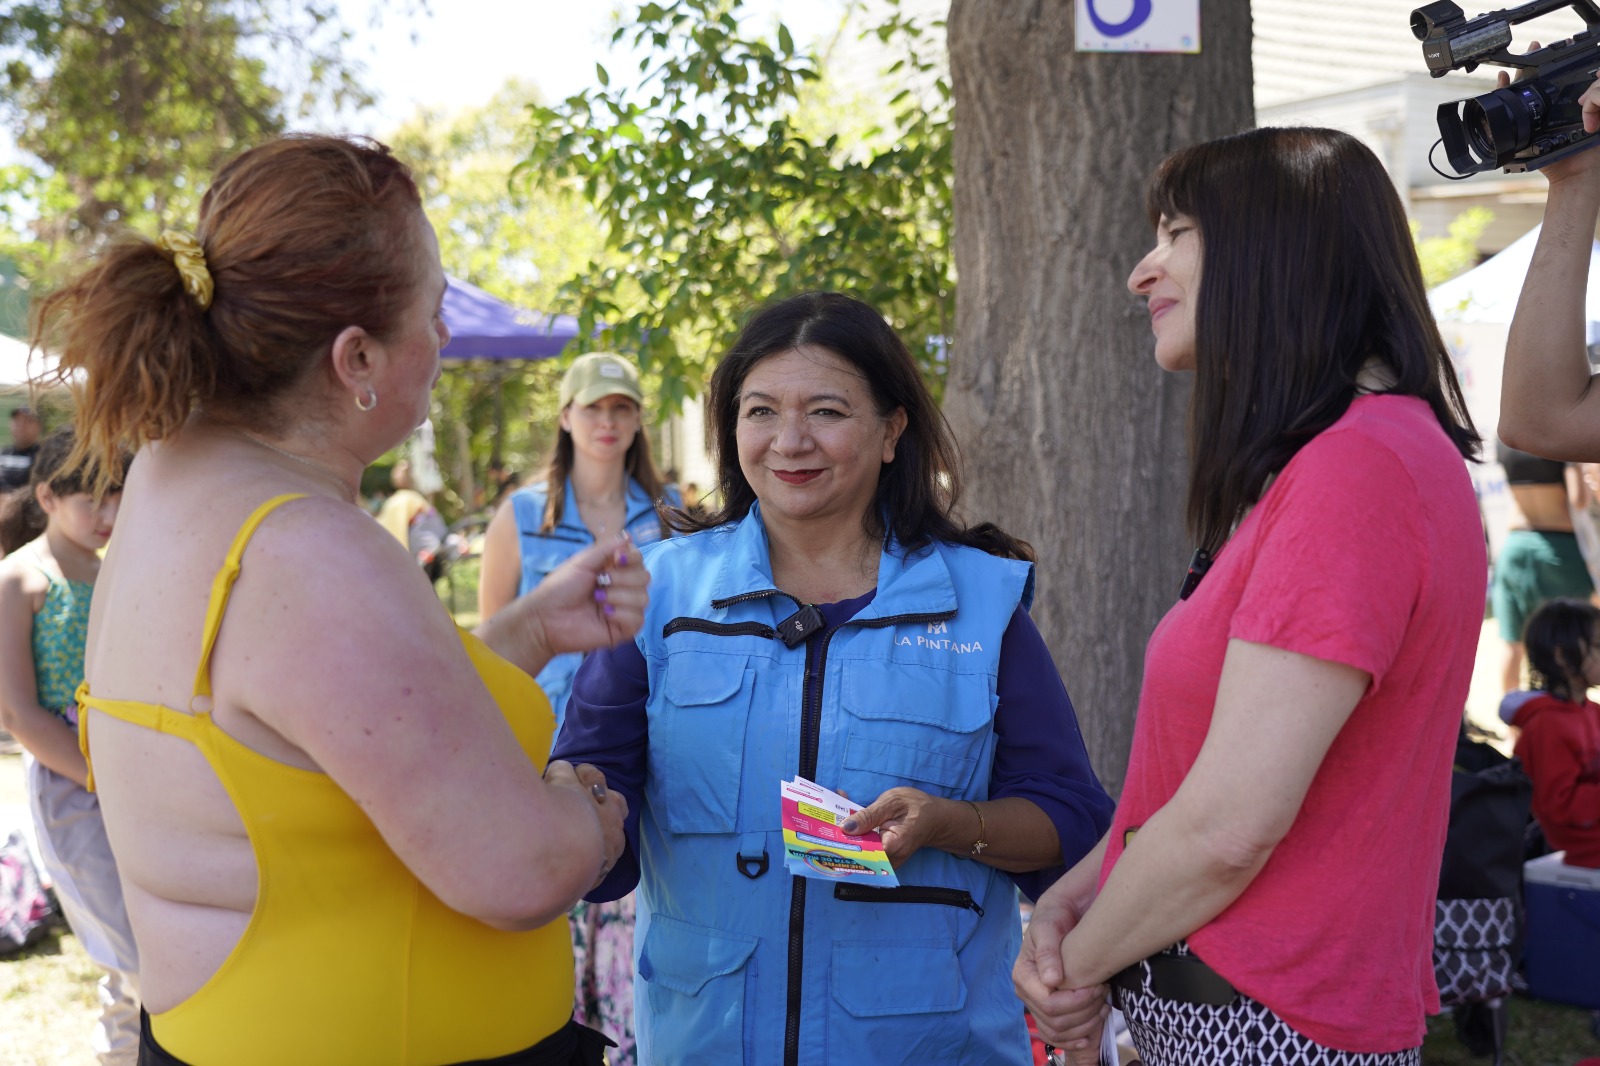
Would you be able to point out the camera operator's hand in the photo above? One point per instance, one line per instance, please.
(1504, 78)
(1586, 162)
(1583, 162)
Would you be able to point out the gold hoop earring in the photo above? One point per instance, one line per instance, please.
(371, 398)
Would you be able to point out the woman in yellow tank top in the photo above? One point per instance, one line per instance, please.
(338, 839)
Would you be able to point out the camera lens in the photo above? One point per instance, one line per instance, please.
(1479, 132)
(1501, 123)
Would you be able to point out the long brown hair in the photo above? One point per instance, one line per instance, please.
(638, 464)
(1307, 271)
(302, 236)
(915, 501)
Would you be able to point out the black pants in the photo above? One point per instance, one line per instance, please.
(571, 1045)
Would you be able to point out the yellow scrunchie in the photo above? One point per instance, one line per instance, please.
(190, 259)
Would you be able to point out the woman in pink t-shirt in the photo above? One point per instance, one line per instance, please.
(1289, 779)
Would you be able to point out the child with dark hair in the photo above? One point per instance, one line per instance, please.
(46, 581)
(1559, 741)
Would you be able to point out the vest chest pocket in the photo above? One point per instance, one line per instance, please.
(697, 735)
(540, 556)
(695, 990)
(930, 729)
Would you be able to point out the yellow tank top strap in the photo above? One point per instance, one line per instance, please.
(149, 715)
(222, 587)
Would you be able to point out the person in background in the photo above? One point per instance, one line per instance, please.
(46, 585)
(834, 619)
(694, 501)
(1257, 899)
(1540, 559)
(412, 520)
(599, 480)
(16, 459)
(1558, 726)
(498, 483)
(1549, 402)
(339, 837)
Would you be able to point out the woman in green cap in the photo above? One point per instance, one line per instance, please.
(599, 479)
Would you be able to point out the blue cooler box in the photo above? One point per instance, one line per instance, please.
(1562, 959)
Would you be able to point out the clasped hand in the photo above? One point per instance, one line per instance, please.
(610, 807)
(1069, 1018)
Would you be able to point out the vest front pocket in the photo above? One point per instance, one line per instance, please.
(930, 729)
(540, 556)
(696, 986)
(697, 733)
(896, 1001)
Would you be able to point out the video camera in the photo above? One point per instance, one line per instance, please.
(1533, 121)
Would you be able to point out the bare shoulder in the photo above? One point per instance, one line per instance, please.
(334, 559)
(21, 577)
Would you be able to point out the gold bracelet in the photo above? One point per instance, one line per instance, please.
(977, 848)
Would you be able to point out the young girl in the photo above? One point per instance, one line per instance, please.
(53, 536)
(1559, 741)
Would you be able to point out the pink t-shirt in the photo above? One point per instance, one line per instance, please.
(1367, 550)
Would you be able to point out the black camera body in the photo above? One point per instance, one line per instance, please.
(1535, 120)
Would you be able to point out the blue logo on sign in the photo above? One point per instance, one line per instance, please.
(1136, 18)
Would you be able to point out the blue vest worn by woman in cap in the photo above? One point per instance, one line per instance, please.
(543, 552)
(738, 962)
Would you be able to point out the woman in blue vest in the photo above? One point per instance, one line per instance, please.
(599, 479)
(833, 620)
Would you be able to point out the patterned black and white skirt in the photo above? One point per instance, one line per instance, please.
(1244, 1033)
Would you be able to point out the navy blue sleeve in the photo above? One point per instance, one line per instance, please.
(606, 726)
(1039, 755)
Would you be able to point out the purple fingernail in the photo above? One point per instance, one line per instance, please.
(610, 610)
(622, 558)
(600, 595)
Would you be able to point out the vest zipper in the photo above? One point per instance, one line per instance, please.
(949, 897)
(721, 629)
(810, 727)
(744, 596)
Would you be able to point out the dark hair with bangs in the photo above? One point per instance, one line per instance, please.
(918, 490)
(1307, 271)
(21, 517)
(1558, 637)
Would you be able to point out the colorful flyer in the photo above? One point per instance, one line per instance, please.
(815, 846)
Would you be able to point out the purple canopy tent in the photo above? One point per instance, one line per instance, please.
(484, 327)
(486, 330)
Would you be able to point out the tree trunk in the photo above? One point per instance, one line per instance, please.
(1073, 438)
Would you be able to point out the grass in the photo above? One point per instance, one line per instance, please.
(1539, 1034)
(48, 1004)
(458, 589)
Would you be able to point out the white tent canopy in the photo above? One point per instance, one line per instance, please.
(1474, 314)
(1489, 291)
(15, 367)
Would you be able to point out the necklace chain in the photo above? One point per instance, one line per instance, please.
(327, 471)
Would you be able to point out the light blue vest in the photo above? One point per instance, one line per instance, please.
(737, 960)
(543, 552)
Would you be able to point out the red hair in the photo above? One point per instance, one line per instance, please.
(303, 237)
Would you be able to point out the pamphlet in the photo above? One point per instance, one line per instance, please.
(815, 846)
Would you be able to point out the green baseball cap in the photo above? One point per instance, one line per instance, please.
(597, 375)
